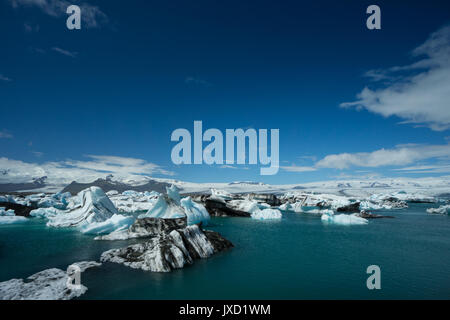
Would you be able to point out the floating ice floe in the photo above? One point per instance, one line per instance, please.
(444, 209)
(171, 206)
(9, 217)
(267, 214)
(49, 284)
(342, 219)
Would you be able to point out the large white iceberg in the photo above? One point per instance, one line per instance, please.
(91, 212)
(171, 206)
(93, 206)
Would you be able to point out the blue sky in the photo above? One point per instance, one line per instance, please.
(108, 96)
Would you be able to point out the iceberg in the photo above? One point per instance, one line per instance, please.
(117, 222)
(93, 206)
(45, 213)
(131, 201)
(285, 207)
(7, 198)
(173, 193)
(92, 212)
(444, 209)
(169, 250)
(220, 194)
(246, 205)
(342, 219)
(9, 217)
(171, 206)
(195, 212)
(146, 228)
(267, 214)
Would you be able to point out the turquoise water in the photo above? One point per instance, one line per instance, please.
(296, 258)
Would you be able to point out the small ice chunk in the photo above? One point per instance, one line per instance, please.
(267, 214)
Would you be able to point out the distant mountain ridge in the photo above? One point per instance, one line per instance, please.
(35, 184)
(108, 185)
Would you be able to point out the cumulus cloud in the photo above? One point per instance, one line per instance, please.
(91, 16)
(63, 172)
(418, 92)
(398, 156)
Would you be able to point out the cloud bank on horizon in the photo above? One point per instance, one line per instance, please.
(61, 172)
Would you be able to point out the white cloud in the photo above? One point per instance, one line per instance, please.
(63, 172)
(4, 78)
(65, 52)
(418, 93)
(294, 168)
(426, 169)
(91, 16)
(398, 156)
(227, 166)
(5, 135)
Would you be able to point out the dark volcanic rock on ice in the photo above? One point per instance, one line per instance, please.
(145, 228)
(169, 250)
(368, 215)
(351, 208)
(218, 208)
(19, 209)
